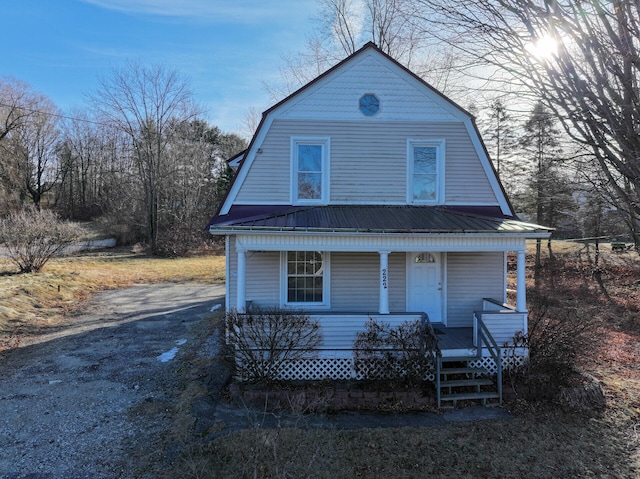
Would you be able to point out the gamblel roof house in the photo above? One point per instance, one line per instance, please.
(367, 193)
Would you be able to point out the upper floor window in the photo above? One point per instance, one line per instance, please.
(309, 172)
(425, 171)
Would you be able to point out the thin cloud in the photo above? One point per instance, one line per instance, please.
(109, 52)
(217, 10)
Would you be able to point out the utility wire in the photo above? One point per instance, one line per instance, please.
(57, 115)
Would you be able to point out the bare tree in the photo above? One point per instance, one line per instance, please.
(25, 134)
(387, 23)
(193, 187)
(149, 105)
(119, 199)
(250, 122)
(344, 20)
(79, 152)
(343, 26)
(580, 57)
(16, 104)
(30, 148)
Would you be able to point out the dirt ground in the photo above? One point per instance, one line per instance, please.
(91, 399)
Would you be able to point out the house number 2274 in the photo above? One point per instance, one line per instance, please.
(384, 278)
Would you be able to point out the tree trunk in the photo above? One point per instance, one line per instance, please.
(538, 264)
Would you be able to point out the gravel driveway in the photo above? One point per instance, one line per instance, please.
(91, 401)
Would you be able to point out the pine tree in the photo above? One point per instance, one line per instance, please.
(547, 192)
(499, 132)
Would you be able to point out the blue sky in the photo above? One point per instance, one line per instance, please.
(227, 48)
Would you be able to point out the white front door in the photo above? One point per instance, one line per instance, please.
(424, 284)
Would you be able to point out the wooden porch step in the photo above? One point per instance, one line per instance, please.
(465, 370)
(457, 359)
(466, 382)
(472, 395)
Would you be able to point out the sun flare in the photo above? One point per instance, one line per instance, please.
(543, 48)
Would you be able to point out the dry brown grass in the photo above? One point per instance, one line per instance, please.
(30, 301)
(541, 441)
(533, 445)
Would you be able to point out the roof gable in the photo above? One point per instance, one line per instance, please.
(334, 96)
(402, 96)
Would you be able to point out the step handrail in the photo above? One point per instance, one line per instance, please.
(484, 337)
(438, 370)
(425, 323)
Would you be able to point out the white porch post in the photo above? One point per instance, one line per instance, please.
(521, 287)
(384, 283)
(240, 294)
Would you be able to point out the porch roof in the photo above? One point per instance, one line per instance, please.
(372, 219)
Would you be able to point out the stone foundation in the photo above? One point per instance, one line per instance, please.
(333, 398)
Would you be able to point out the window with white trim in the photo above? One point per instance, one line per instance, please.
(310, 158)
(425, 171)
(305, 278)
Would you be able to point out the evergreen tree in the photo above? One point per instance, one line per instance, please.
(499, 133)
(545, 185)
(547, 195)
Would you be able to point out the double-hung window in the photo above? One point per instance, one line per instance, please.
(310, 160)
(425, 171)
(306, 278)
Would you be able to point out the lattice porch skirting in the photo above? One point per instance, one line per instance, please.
(343, 368)
(508, 362)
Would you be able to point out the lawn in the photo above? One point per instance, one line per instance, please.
(535, 444)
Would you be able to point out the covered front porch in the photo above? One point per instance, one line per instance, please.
(440, 260)
(442, 278)
(445, 277)
(334, 357)
(345, 265)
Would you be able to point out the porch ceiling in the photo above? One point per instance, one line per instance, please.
(374, 219)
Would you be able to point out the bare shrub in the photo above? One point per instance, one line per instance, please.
(559, 336)
(263, 339)
(180, 241)
(405, 352)
(33, 236)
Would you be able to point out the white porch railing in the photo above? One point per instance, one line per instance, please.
(502, 321)
(333, 358)
(340, 329)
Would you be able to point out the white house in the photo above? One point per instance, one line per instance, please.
(369, 193)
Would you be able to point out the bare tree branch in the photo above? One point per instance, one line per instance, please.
(588, 75)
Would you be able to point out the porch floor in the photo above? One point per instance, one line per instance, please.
(454, 341)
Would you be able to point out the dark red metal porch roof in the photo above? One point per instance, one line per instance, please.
(376, 218)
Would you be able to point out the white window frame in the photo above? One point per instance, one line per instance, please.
(326, 286)
(439, 145)
(324, 143)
